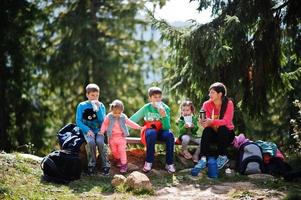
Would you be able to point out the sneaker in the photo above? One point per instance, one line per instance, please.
(222, 161)
(106, 171)
(198, 167)
(123, 168)
(170, 168)
(147, 167)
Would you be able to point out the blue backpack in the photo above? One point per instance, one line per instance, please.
(250, 160)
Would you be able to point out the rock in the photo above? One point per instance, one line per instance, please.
(167, 190)
(159, 173)
(221, 189)
(185, 171)
(240, 185)
(138, 181)
(30, 156)
(132, 167)
(261, 176)
(117, 180)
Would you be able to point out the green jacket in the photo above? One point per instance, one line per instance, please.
(150, 113)
(183, 130)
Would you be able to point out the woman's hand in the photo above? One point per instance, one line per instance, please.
(206, 122)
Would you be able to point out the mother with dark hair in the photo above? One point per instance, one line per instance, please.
(218, 127)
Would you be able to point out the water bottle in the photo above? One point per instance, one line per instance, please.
(202, 114)
(212, 167)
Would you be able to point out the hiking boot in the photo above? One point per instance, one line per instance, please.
(198, 167)
(170, 168)
(221, 161)
(123, 168)
(106, 171)
(147, 167)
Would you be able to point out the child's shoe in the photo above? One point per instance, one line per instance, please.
(170, 168)
(106, 171)
(186, 154)
(123, 168)
(147, 167)
(198, 167)
(221, 161)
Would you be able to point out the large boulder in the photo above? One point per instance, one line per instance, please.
(117, 180)
(138, 181)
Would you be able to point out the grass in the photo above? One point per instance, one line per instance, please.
(21, 179)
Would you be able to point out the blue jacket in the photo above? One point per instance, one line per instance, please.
(87, 119)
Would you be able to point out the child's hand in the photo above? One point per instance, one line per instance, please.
(100, 133)
(162, 112)
(186, 125)
(90, 133)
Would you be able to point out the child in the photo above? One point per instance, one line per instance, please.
(89, 117)
(156, 117)
(115, 126)
(188, 126)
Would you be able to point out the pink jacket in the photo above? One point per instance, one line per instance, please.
(213, 113)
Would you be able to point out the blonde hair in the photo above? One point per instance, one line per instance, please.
(116, 104)
(187, 103)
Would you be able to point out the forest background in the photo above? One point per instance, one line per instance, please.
(50, 50)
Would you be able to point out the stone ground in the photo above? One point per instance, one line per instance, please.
(193, 188)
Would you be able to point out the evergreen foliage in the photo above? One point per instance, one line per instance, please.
(251, 46)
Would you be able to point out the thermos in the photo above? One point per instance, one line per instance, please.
(212, 167)
(202, 114)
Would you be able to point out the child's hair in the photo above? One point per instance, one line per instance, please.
(154, 90)
(117, 104)
(92, 87)
(221, 88)
(187, 103)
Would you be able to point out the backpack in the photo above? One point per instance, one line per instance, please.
(250, 159)
(61, 166)
(70, 138)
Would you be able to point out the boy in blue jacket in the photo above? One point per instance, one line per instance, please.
(89, 117)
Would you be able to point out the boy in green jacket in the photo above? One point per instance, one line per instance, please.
(156, 116)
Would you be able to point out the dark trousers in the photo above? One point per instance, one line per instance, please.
(222, 139)
(151, 137)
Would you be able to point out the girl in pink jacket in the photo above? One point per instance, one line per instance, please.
(115, 125)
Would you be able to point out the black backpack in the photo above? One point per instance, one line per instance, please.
(250, 160)
(61, 166)
(70, 138)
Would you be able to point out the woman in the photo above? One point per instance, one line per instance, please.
(218, 127)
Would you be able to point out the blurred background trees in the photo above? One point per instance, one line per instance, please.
(50, 50)
(251, 46)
